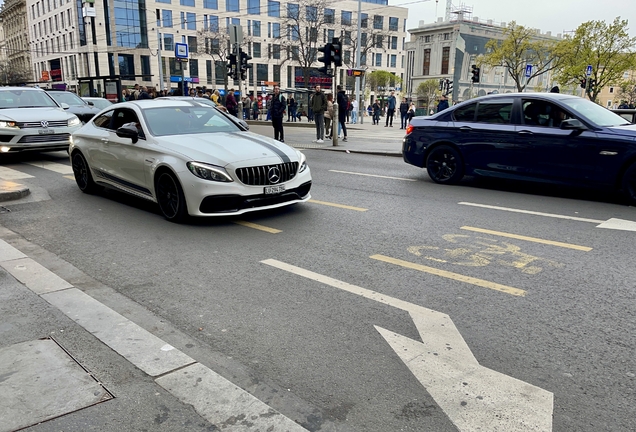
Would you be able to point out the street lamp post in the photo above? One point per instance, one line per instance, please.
(359, 40)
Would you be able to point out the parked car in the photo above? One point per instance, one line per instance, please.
(76, 104)
(628, 114)
(97, 102)
(209, 102)
(31, 120)
(546, 137)
(189, 158)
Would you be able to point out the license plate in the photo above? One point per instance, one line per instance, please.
(46, 131)
(274, 189)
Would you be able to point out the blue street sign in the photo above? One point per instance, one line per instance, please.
(588, 71)
(528, 71)
(181, 50)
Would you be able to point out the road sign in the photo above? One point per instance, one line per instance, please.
(181, 50)
(588, 70)
(528, 71)
(236, 34)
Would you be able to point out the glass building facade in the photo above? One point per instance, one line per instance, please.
(130, 23)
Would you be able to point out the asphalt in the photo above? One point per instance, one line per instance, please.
(364, 138)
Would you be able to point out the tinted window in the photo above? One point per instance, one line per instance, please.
(595, 113)
(103, 121)
(495, 111)
(187, 120)
(465, 113)
(541, 113)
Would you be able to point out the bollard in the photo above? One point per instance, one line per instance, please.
(334, 126)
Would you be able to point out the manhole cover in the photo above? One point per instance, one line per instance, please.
(39, 381)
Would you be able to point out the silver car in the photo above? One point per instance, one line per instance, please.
(31, 120)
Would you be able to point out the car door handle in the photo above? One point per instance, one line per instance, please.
(465, 129)
(525, 132)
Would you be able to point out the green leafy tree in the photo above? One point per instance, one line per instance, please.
(627, 91)
(609, 49)
(519, 48)
(427, 92)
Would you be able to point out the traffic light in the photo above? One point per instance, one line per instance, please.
(244, 61)
(584, 83)
(326, 59)
(231, 66)
(475, 71)
(449, 85)
(441, 85)
(336, 52)
(592, 83)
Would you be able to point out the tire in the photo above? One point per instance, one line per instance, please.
(82, 174)
(445, 165)
(170, 197)
(628, 184)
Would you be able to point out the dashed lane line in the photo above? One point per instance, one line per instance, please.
(530, 239)
(258, 227)
(373, 175)
(342, 206)
(552, 215)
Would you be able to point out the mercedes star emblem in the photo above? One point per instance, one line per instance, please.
(273, 175)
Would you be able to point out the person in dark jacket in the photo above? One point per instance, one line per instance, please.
(404, 113)
(343, 103)
(377, 110)
(278, 112)
(230, 103)
(443, 103)
(391, 104)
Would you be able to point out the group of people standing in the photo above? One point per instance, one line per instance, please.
(407, 111)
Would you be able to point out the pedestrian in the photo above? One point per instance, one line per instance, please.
(343, 101)
(390, 109)
(278, 107)
(354, 111)
(290, 108)
(246, 108)
(411, 112)
(377, 110)
(443, 103)
(404, 111)
(230, 103)
(215, 97)
(268, 105)
(318, 104)
(300, 112)
(329, 117)
(255, 110)
(143, 93)
(347, 109)
(370, 110)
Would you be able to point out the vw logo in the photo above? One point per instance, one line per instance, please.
(273, 175)
(44, 123)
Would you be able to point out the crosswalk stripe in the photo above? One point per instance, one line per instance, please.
(11, 174)
(53, 166)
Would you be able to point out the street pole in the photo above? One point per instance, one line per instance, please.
(336, 123)
(238, 76)
(359, 40)
(159, 57)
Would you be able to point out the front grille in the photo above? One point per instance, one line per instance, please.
(258, 176)
(38, 125)
(44, 138)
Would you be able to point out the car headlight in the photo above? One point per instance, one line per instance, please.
(74, 122)
(302, 163)
(7, 124)
(209, 172)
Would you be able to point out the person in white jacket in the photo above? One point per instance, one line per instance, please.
(354, 111)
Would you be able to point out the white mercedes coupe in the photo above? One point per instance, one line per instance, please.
(190, 159)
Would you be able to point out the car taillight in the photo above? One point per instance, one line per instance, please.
(409, 129)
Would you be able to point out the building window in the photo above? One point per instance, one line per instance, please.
(191, 20)
(363, 59)
(262, 72)
(311, 13)
(330, 16)
(611, 89)
(277, 73)
(213, 23)
(166, 17)
(378, 41)
(273, 8)
(232, 5)
(256, 50)
(254, 7)
(276, 51)
(276, 30)
(365, 20)
(293, 10)
(145, 68)
(192, 44)
(347, 57)
(168, 42)
(187, 3)
(378, 60)
(347, 38)
(393, 23)
(208, 71)
(194, 68)
(394, 42)
(330, 35)
(378, 22)
(447, 36)
(130, 22)
(393, 61)
(295, 53)
(294, 32)
(211, 4)
(220, 71)
(427, 62)
(126, 66)
(256, 28)
(345, 18)
(427, 39)
(445, 59)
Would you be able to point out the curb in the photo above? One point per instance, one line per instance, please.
(12, 191)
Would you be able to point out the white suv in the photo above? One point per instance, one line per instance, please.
(31, 120)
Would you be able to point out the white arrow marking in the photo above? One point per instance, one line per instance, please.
(474, 397)
(618, 224)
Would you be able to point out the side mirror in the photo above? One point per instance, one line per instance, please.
(573, 124)
(128, 131)
(65, 106)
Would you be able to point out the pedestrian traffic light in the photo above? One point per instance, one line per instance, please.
(336, 52)
(584, 83)
(475, 71)
(326, 59)
(244, 61)
(231, 66)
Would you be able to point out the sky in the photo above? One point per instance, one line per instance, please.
(557, 16)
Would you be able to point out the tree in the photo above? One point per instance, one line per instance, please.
(10, 73)
(627, 91)
(519, 48)
(379, 81)
(427, 91)
(607, 48)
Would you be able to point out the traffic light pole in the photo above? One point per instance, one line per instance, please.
(335, 121)
(238, 77)
(359, 41)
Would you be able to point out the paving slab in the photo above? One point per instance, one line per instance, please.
(36, 277)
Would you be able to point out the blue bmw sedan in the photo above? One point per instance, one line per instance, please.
(546, 137)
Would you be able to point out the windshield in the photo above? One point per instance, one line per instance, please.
(205, 101)
(595, 113)
(100, 103)
(186, 120)
(68, 98)
(25, 99)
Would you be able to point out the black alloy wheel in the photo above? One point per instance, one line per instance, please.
(629, 184)
(171, 198)
(82, 174)
(444, 165)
